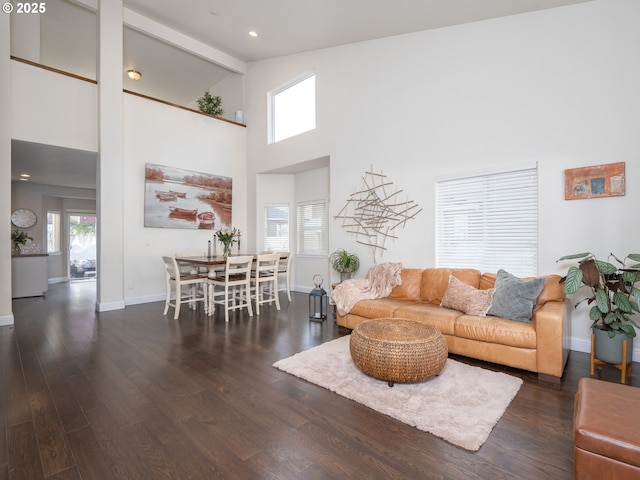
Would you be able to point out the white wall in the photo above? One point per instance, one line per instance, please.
(6, 314)
(272, 189)
(39, 199)
(160, 134)
(44, 198)
(231, 90)
(25, 37)
(310, 186)
(154, 133)
(53, 109)
(558, 87)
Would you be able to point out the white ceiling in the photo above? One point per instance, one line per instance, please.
(291, 26)
(51, 165)
(68, 42)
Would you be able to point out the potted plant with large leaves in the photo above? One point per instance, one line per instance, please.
(344, 263)
(611, 290)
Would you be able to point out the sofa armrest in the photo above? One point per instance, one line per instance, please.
(553, 333)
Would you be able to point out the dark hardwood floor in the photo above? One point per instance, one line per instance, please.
(132, 394)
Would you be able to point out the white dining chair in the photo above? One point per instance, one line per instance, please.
(264, 280)
(187, 267)
(195, 291)
(232, 289)
(284, 269)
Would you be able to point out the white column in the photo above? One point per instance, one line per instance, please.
(6, 314)
(110, 194)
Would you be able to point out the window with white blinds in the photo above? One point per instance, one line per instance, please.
(276, 228)
(312, 228)
(489, 221)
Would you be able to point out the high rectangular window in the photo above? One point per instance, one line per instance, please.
(293, 109)
(489, 221)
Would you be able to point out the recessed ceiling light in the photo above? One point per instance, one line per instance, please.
(253, 33)
(134, 75)
(25, 175)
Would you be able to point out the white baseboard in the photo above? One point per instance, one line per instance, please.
(302, 289)
(6, 320)
(51, 281)
(109, 306)
(159, 297)
(119, 305)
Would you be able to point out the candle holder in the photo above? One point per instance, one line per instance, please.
(318, 301)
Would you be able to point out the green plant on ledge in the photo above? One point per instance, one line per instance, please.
(344, 263)
(211, 105)
(18, 238)
(612, 289)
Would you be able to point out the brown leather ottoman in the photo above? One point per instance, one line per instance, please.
(606, 430)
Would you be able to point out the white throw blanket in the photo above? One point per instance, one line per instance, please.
(378, 282)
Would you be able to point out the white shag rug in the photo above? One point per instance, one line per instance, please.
(461, 405)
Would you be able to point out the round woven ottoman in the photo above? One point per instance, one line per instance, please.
(398, 350)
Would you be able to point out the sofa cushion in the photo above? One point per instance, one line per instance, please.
(439, 317)
(378, 308)
(436, 280)
(466, 298)
(409, 289)
(496, 330)
(514, 297)
(552, 290)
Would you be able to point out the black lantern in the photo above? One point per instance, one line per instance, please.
(318, 301)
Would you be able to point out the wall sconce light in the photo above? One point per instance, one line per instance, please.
(134, 75)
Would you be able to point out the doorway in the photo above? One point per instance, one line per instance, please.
(82, 247)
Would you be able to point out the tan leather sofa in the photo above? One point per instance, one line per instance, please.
(541, 345)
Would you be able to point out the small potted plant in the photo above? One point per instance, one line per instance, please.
(344, 263)
(610, 289)
(18, 239)
(211, 105)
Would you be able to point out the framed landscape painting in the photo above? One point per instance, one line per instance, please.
(177, 198)
(596, 181)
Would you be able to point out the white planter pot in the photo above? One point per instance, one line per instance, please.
(345, 276)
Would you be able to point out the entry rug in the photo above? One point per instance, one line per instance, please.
(461, 405)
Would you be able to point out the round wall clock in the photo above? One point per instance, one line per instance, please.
(23, 218)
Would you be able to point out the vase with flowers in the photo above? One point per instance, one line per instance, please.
(227, 238)
(18, 239)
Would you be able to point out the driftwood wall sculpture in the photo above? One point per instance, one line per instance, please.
(373, 213)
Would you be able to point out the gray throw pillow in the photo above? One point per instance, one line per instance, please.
(514, 298)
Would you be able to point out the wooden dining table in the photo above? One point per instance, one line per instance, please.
(204, 260)
(211, 262)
